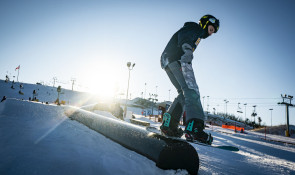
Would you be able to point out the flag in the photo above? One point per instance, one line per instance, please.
(17, 67)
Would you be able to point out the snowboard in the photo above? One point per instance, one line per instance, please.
(223, 147)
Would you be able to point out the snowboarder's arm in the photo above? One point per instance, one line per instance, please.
(187, 57)
(186, 42)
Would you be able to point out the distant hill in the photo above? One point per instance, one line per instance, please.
(45, 93)
(277, 130)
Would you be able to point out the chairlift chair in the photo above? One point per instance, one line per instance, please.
(239, 110)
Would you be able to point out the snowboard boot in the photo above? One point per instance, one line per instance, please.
(194, 132)
(170, 127)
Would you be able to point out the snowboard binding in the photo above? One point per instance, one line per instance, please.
(194, 131)
(170, 127)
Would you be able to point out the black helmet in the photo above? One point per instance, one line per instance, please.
(207, 20)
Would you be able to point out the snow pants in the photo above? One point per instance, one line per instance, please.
(182, 77)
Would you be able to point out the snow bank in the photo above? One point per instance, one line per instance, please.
(39, 139)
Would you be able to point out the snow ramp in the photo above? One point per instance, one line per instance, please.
(166, 152)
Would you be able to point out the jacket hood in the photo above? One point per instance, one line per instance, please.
(190, 24)
(203, 33)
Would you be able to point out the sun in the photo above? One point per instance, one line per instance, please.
(102, 81)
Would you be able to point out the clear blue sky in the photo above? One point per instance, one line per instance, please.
(250, 59)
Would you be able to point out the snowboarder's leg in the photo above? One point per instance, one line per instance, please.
(194, 111)
(176, 108)
(172, 117)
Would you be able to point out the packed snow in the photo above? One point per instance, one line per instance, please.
(38, 138)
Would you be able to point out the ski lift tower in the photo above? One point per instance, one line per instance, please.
(287, 97)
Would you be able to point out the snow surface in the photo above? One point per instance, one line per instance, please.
(36, 138)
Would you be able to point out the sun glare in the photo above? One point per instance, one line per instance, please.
(102, 81)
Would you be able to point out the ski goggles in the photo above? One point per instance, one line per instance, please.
(215, 23)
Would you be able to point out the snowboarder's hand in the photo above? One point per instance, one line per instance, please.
(187, 57)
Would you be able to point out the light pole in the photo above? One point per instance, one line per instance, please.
(169, 94)
(208, 104)
(217, 108)
(129, 68)
(144, 90)
(73, 82)
(54, 80)
(245, 110)
(226, 101)
(271, 117)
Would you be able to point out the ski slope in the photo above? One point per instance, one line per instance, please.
(40, 139)
(36, 138)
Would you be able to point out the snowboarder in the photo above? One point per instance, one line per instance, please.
(34, 94)
(6, 79)
(3, 99)
(176, 60)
